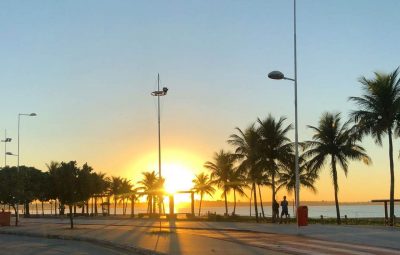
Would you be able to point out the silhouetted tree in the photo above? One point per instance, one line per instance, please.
(379, 115)
(333, 142)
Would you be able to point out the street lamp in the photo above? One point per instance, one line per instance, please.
(5, 141)
(277, 75)
(158, 93)
(19, 122)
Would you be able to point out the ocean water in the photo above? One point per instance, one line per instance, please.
(314, 211)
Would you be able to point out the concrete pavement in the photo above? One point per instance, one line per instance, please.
(190, 237)
(13, 244)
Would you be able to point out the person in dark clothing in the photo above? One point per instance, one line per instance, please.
(275, 209)
(285, 210)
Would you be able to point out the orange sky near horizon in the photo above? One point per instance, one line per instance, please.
(363, 183)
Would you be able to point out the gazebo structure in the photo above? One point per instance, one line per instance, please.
(385, 202)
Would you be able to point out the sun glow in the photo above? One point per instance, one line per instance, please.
(177, 177)
(178, 169)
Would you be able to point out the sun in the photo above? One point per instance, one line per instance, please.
(177, 177)
(178, 169)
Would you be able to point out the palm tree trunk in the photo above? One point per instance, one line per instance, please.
(42, 208)
(336, 188)
(391, 210)
(27, 213)
(55, 207)
(95, 206)
(201, 200)
(133, 206)
(125, 204)
(234, 202)
(226, 203)
(255, 200)
(273, 196)
(115, 206)
(16, 214)
(261, 204)
(251, 197)
(71, 218)
(154, 204)
(150, 204)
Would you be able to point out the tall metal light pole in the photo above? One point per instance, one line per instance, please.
(19, 122)
(158, 93)
(5, 141)
(277, 75)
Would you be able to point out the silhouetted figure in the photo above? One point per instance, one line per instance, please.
(275, 210)
(285, 210)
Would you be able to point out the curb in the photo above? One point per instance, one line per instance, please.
(104, 243)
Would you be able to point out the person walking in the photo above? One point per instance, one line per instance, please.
(285, 210)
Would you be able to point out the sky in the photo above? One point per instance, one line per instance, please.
(87, 68)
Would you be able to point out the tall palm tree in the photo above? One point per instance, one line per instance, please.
(378, 115)
(221, 169)
(248, 147)
(333, 142)
(276, 148)
(203, 185)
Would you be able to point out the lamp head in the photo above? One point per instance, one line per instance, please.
(165, 90)
(33, 114)
(276, 75)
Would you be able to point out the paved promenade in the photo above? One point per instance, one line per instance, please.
(189, 237)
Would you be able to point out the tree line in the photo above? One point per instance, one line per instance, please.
(263, 155)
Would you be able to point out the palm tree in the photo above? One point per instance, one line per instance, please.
(237, 182)
(264, 180)
(101, 184)
(203, 185)
(248, 147)
(287, 177)
(115, 189)
(52, 168)
(221, 169)
(333, 142)
(125, 193)
(276, 148)
(149, 185)
(378, 114)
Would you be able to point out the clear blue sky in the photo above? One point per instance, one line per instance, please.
(88, 67)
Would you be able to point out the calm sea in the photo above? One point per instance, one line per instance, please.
(314, 211)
